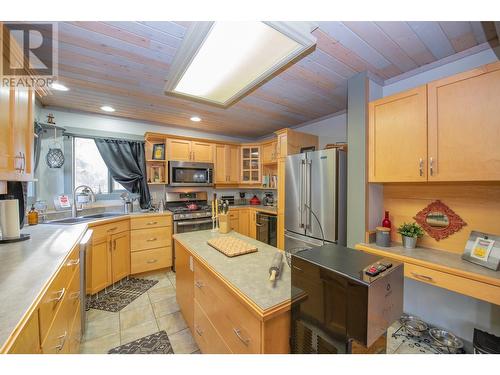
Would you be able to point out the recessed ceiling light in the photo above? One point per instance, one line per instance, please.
(58, 87)
(195, 119)
(107, 108)
(219, 62)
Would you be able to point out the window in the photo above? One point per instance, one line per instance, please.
(90, 168)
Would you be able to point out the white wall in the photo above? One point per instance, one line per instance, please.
(331, 129)
(126, 128)
(452, 311)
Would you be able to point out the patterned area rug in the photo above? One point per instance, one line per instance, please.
(119, 295)
(157, 343)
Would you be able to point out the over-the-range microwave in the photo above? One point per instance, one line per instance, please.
(183, 173)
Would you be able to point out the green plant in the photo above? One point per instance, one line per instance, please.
(411, 230)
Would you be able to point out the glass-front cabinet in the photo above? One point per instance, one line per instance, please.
(250, 165)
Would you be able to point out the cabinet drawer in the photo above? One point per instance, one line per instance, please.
(150, 222)
(57, 339)
(462, 285)
(148, 260)
(28, 340)
(234, 214)
(104, 230)
(74, 294)
(142, 239)
(238, 327)
(205, 334)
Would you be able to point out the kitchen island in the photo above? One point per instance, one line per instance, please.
(229, 303)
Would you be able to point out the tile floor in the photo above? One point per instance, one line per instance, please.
(153, 311)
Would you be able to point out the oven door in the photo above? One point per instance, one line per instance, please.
(190, 174)
(192, 225)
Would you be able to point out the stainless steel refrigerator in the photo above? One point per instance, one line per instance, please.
(315, 199)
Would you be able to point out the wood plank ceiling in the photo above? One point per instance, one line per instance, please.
(124, 64)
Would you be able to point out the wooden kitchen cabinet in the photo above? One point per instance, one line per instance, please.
(186, 150)
(184, 280)
(120, 256)
(464, 126)
(227, 164)
(397, 137)
(252, 224)
(16, 134)
(28, 339)
(269, 152)
(250, 165)
(98, 266)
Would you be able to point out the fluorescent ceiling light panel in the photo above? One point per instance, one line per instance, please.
(107, 108)
(219, 62)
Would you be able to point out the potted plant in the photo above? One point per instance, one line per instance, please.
(410, 232)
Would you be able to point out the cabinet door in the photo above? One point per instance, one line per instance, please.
(22, 130)
(244, 222)
(184, 277)
(220, 164)
(269, 152)
(28, 340)
(178, 149)
(6, 150)
(120, 263)
(252, 227)
(202, 152)
(250, 165)
(233, 165)
(397, 137)
(99, 265)
(464, 126)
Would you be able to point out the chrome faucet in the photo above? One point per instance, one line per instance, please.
(73, 207)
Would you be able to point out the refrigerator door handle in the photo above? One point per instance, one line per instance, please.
(308, 189)
(301, 193)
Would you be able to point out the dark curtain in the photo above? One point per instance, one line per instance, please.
(127, 165)
(37, 144)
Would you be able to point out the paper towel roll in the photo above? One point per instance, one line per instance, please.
(9, 218)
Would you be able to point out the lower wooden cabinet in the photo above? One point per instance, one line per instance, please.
(28, 340)
(120, 256)
(205, 334)
(184, 277)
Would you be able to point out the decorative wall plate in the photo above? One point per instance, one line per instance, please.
(439, 221)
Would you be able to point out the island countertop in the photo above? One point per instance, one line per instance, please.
(26, 267)
(248, 273)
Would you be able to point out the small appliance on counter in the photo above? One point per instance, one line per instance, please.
(268, 198)
(350, 298)
(254, 201)
(242, 200)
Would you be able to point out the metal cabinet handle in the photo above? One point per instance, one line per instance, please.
(73, 262)
(198, 331)
(151, 239)
(422, 277)
(62, 341)
(298, 268)
(421, 167)
(237, 332)
(259, 225)
(75, 295)
(431, 166)
(151, 223)
(59, 297)
(112, 229)
(152, 261)
(21, 157)
(198, 284)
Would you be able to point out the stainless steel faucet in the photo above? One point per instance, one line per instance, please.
(73, 207)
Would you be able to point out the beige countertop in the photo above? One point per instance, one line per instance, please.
(248, 273)
(27, 266)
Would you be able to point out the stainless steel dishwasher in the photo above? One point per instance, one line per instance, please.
(266, 228)
(84, 247)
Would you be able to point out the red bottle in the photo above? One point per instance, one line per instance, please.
(386, 222)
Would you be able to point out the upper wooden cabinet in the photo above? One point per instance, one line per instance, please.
(269, 152)
(186, 150)
(447, 130)
(16, 134)
(250, 164)
(397, 134)
(464, 126)
(227, 164)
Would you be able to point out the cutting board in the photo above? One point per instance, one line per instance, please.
(231, 246)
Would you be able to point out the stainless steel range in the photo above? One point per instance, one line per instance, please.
(191, 212)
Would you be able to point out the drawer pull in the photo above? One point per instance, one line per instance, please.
(59, 297)
(112, 229)
(75, 295)
(152, 239)
(73, 262)
(237, 332)
(62, 341)
(422, 277)
(198, 331)
(151, 223)
(152, 261)
(198, 284)
(298, 268)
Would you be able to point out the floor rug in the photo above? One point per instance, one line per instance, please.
(119, 295)
(157, 343)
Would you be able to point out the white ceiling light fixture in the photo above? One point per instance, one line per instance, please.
(58, 87)
(107, 108)
(219, 62)
(195, 119)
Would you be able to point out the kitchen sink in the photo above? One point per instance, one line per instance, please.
(83, 219)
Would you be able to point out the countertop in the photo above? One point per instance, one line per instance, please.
(248, 273)
(27, 266)
(259, 207)
(436, 259)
